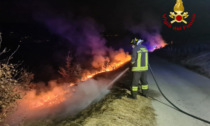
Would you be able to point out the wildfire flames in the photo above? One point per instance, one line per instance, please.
(119, 59)
(48, 100)
(59, 94)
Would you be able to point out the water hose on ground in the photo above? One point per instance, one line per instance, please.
(177, 108)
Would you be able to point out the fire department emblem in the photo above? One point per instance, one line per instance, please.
(179, 15)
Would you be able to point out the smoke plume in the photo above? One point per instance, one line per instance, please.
(70, 100)
(149, 28)
(85, 34)
(59, 100)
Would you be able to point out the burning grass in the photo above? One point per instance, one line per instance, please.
(113, 110)
(62, 97)
(57, 94)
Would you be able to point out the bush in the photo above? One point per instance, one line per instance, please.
(12, 82)
(9, 89)
(70, 72)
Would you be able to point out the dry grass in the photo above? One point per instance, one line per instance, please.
(124, 112)
(194, 56)
(118, 110)
(113, 110)
(12, 81)
(199, 63)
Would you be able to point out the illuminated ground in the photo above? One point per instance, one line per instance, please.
(187, 89)
(113, 110)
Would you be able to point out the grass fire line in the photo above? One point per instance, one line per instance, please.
(51, 100)
(68, 94)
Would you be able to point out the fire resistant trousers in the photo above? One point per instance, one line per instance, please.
(141, 77)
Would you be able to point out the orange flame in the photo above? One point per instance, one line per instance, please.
(157, 42)
(120, 59)
(58, 95)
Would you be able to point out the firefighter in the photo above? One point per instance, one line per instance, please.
(139, 61)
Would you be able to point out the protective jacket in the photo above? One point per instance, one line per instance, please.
(139, 58)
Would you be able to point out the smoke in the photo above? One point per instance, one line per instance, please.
(89, 49)
(85, 35)
(149, 28)
(69, 101)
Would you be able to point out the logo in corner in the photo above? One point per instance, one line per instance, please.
(178, 17)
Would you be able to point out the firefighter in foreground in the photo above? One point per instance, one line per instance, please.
(139, 62)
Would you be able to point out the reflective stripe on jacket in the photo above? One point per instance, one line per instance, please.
(139, 58)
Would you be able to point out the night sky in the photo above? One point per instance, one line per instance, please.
(23, 22)
(112, 14)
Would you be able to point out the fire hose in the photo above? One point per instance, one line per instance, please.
(175, 107)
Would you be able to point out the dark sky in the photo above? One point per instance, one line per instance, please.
(112, 14)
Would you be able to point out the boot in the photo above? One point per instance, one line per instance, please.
(144, 93)
(144, 89)
(133, 95)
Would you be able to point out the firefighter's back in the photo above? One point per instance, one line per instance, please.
(141, 63)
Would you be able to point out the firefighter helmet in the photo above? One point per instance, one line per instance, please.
(136, 41)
